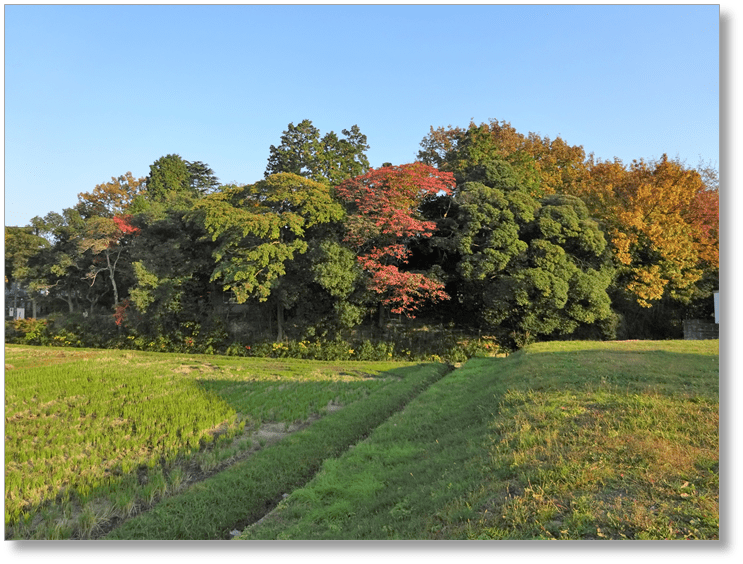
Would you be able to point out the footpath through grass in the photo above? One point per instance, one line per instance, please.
(568, 440)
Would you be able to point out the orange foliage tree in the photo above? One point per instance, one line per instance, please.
(110, 198)
(662, 221)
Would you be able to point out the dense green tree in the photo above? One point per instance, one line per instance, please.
(172, 184)
(169, 176)
(201, 177)
(479, 153)
(530, 267)
(336, 270)
(172, 264)
(260, 229)
(324, 159)
(21, 244)
(59, 270)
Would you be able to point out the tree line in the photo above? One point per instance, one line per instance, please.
(489, 230)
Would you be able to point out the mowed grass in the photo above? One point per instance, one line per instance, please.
(94, 437)
(568, 440)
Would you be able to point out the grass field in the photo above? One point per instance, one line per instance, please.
(568, 440)
(564, 440)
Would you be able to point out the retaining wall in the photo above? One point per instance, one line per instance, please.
(699, 329)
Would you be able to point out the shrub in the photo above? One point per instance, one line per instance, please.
(27, 331)
(191, 337)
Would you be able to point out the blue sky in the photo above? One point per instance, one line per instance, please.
(92, 92)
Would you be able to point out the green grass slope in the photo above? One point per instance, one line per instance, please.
(568, 440)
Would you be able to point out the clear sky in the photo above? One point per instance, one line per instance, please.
(92, 92)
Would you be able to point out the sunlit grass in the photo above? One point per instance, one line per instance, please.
(561, 441)
(565, 440)
(603, 465)
(243, 493)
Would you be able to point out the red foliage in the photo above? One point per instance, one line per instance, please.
(405, 291)
(123, 222)
(384, 217)
(386, 200)
(120, 313)
(121, 227)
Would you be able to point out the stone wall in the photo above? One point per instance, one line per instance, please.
(699, 329)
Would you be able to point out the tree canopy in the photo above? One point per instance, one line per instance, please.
(489, 230)
(384, 217)
(531, 267)
(323, 159)
(260, 227)
(110, 198)
(661, 220)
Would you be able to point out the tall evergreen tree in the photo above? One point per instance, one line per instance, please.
(323, 159)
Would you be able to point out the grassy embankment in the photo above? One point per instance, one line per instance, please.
(95, 437)
(569, 440)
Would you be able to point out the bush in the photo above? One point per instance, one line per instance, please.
(191, 337)
(27, 331)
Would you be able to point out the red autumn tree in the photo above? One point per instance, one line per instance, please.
(383, 219)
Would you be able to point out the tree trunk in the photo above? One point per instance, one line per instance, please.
(269, 319)
(380, 320)
(92, 305)
(279, 321)
(112, 269)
